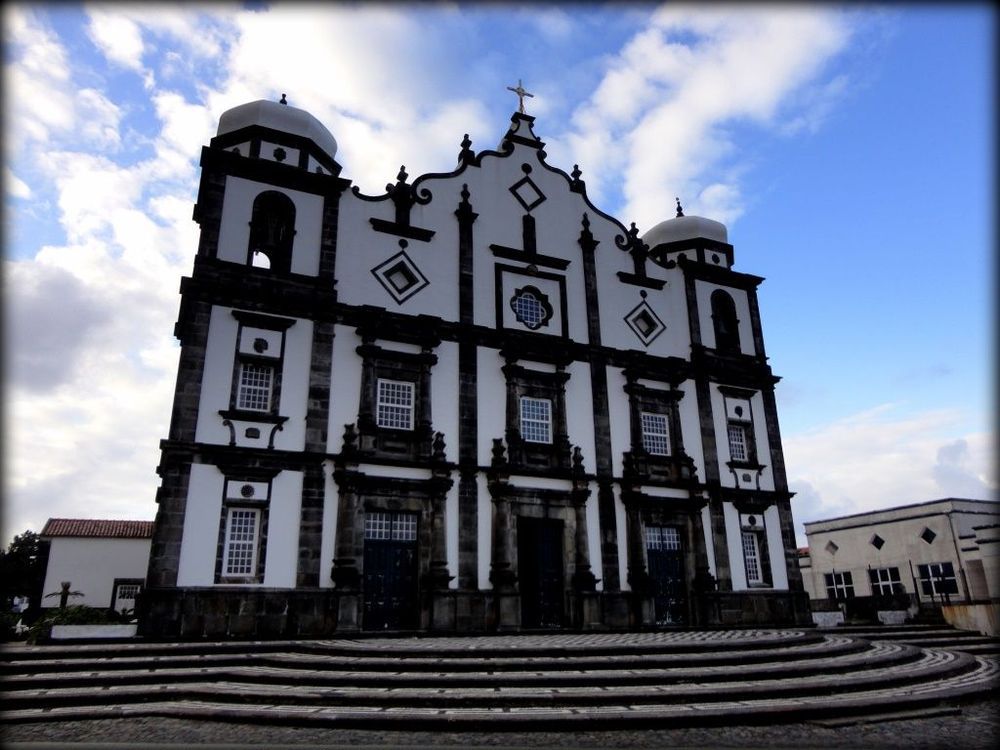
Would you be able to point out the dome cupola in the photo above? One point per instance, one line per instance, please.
(682, 234)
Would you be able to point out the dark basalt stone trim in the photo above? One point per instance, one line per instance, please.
(646, 281)
(728, 390)
(719, 275)
(698, 244)
(252, 416)
(754, 501)
(537, 259)
(746, 465)
(272, 172)
(500, 269)
(257, 320)
(402, 230)
(258, 133)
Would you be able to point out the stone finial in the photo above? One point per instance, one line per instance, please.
(680, 211)
(283, 100)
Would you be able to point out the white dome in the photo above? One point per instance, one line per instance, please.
(281, 117)
(686, 228)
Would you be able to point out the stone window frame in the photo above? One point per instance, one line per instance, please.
(758, 533)
(746, 425)
(724, 315)
(270, 209)
(275, 364)
(248, 500)
(675, 466)
(537, 384)
(382, 364)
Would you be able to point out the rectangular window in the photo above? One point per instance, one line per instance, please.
(256, 381)
(655, 434)
(937, 578)
(738, 441)
(382, 526)
(241, 542)
(395, 405)
(536, 420)
(885, 581)
(839, 585)
(751, 558)
(663, 538)
(125, 595)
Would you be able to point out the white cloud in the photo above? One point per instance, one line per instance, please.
(14, 185)
(666, 101)
(881, 458)
(118, 37)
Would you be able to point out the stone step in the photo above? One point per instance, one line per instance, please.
(320, 672)
(421, 661)
(761, 710)
(680, 678)
(930, 666)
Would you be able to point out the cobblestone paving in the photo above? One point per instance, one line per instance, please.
(976, 726)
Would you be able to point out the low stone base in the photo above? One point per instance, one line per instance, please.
(194, 613)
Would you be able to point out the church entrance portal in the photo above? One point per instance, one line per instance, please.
(390, 578)
(540, 572)
(665, 561)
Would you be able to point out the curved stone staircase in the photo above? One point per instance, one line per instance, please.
(550, 681)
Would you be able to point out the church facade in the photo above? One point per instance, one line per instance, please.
(473, 403)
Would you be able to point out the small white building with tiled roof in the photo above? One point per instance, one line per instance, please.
(104, 560)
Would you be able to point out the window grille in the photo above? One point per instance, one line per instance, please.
(241, 543)
(536, 420)
(839, 585)
(738, 442)
(885, 581)
(528, 309)
(663, 538)
(395, 405)
(255, 387)
(655, 434)
(751, 558)
(381, 526)
(937, 578)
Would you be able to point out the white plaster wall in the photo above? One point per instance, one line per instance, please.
(202, 514)
(618, 418)
(622, 542)
(237, 209)
(687, 410)
(345, 385)
(91, 566)
(734, 542)
(484, 518)
(706, 525)
(491, 398)
(703, 293)
(775, 548)
(451, 530)
(594, 536)
(444, 396)
(295, 386)
(328, 542)
(580, 413)
(283, 530)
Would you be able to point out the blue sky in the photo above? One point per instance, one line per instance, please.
(849, 151)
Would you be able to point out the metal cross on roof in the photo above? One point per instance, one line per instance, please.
(521, 93)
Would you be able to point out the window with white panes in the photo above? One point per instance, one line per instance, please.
(256, 383)
(655, 433)
(751, 558)
(739, 443)
(536, 420)
(242, 532)
(395, 404)
(937, 578)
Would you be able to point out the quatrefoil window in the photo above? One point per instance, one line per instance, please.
(531, 307)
